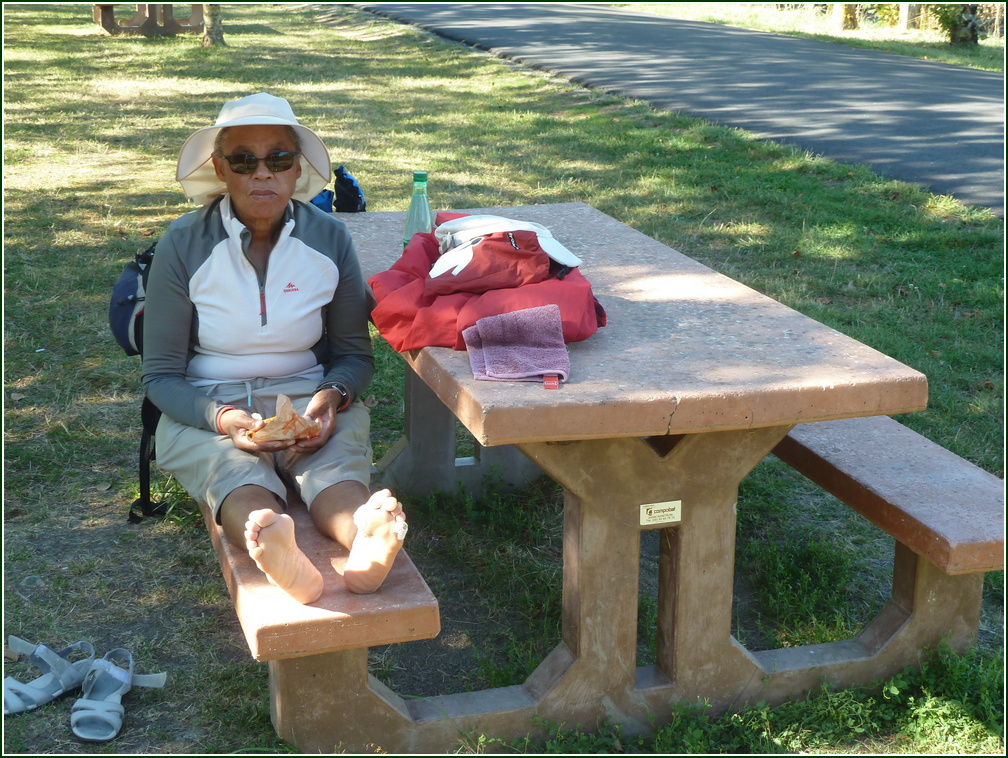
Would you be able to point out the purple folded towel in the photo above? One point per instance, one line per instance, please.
(521, 346)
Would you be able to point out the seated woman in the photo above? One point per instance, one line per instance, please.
(255, 294)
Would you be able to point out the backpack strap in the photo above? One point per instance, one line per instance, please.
(142, 507)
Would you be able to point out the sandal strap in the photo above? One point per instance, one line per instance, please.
(69, 674)
(104, 666)
(126, 677)
(24, 693)
(150, 680)
(96, 707)
(20, 646)
(85, 713)
(47, 659)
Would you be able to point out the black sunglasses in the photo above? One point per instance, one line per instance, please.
(277, 161)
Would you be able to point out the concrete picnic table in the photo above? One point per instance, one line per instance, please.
(149, 20)
(692, 383)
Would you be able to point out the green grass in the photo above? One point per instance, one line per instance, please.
(93, 126)
(905, 714)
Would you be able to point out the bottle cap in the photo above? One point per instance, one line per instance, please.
(419, 176)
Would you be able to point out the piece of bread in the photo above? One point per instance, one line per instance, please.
(287, 424)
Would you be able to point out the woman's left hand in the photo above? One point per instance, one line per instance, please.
(322, 408)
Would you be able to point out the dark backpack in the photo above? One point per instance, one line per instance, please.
(349, 195)
(126, 311)
(126, 307)
(347, 198)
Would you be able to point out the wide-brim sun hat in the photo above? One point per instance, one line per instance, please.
(195, 170)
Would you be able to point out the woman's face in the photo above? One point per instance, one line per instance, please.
(258, 199)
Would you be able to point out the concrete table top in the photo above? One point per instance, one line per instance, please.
(686, 349)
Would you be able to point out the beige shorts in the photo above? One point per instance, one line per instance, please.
(210, 467)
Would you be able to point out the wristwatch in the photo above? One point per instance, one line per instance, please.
(340, 389)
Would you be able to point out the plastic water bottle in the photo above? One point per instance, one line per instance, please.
(418, 217)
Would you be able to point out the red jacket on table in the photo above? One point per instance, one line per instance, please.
(508, 272)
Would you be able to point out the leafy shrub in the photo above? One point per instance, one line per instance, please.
(961, 21)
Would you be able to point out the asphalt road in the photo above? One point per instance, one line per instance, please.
(923, 122)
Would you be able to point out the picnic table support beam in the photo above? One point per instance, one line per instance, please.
(697, 656)
(606, 482)
(927, 607)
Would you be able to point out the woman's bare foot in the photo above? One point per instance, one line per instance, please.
(269, 539)
(381, 526)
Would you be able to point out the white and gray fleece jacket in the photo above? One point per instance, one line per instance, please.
(210, 318)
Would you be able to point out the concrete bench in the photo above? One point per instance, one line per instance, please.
(927, 498)
(946, 517)
(317, 653)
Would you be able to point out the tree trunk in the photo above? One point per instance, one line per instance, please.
(213, 30)
(845, 16)
(909, 16)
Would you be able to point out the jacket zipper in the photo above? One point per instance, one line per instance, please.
(261, 281)
(262, 304)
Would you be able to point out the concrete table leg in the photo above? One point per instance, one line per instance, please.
(606, 483)
(322, 703)
(174, 25)
(424, 461)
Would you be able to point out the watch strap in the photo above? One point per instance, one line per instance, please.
(340, 388)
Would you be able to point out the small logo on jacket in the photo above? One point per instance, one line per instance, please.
(291, 287)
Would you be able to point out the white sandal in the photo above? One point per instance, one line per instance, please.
(59, 674)
(98, 715)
